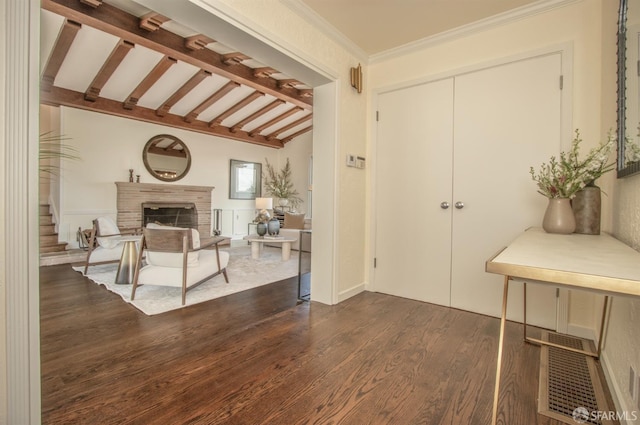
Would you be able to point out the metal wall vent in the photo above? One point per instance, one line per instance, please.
(570, 388)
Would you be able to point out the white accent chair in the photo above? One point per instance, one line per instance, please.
(106, 241)
(174, 257)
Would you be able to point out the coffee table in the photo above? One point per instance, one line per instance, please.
(258, 241)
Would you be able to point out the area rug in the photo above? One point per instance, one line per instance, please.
(243, 271)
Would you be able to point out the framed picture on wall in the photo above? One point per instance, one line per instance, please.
(245, 179)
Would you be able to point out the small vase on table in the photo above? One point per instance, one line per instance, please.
(559, 218)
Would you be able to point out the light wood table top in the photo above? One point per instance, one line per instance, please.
(599, 263)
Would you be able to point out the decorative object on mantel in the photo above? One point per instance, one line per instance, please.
(137, 178)
(566, 178)
(279, 185)
(130, 175)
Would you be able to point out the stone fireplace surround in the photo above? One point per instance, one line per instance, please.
(131, 196)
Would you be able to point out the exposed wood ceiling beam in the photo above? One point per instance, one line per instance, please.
(257, 115)
(288, 127)
(117, 56)
(211, 100)
(296, 134)
(275, 120)
(158, 71)
(234, 58)
(196, 79)
(235, 108)
(264, 72)
(56, 58)
(152, 21)
(123, 25)
(60, 96)
(92, 3)
(197, 42)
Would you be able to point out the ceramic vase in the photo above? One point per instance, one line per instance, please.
(283, 202)
(586, 209)
(273, 227)
(261, 229)
(559, 218)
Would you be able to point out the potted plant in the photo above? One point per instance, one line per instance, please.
(278, 184)
(561, 180)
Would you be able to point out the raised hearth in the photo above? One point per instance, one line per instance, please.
(131, 197)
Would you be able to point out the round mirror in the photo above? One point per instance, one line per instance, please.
(166, 158)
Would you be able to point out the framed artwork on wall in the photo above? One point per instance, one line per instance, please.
(245, 179)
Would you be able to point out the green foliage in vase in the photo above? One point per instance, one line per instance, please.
(564, 177)
(279, 184)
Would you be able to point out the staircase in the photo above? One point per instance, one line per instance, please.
(48, 236)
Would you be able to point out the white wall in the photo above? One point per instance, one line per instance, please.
(109, 146)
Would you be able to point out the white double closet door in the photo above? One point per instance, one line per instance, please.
(467, 142)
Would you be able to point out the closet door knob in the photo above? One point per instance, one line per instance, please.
(459, 205)
(444, 205)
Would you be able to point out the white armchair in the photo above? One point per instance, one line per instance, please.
(174, 257)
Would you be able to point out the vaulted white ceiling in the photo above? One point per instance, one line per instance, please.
(119, 58)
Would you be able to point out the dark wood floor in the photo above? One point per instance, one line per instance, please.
(258, 357)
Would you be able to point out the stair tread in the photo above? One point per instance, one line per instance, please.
(56, 248)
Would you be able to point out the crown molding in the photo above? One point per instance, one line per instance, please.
(504, 18)
(304, 11)
(308, 14)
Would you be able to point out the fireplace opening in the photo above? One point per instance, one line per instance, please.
(170, 214)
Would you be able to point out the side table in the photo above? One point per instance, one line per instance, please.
(127, 265)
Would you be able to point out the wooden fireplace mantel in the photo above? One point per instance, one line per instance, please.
(131, 196)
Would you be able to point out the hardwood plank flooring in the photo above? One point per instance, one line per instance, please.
(259, 357)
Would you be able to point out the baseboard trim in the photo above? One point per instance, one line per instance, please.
(348, 293)
(614, 386)
(615, 389)
(582, 332)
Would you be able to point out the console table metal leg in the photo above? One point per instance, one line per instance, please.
(524, 309)
(602, 323)
(503, 319)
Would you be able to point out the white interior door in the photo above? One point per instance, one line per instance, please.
(413, 176)
(507, 119)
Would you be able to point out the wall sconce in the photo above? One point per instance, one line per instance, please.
(356, 78)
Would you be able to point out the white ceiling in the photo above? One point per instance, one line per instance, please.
(380, 25)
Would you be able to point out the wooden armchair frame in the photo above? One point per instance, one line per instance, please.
(176, 241)
(94, 234)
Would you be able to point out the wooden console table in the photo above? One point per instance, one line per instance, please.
(597, 263)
